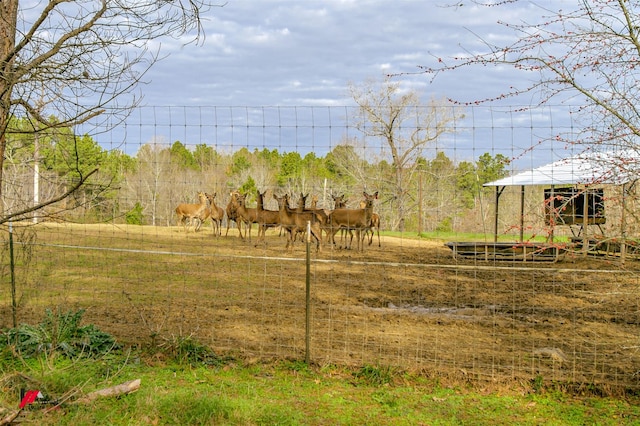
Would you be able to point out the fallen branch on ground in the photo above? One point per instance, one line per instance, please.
(10, 417)
(121, 389)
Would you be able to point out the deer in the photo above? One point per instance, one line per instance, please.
(215, 213)
(340, 203)
(191, 211)
(353, 219)
(293, 221)
(232, 214)
(314, 208)
(246, 215)
(374, 226)
(320, 213)
(266, 218)
(302, 201)
(204, 215)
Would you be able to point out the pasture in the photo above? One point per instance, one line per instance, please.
(408, 304)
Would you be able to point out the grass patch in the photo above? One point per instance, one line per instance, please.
(480, 237)
(292, 393)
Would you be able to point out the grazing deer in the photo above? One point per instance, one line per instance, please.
(293, 221)
(191, 211)
(215, 213)
(246, 215)
(266, 218)
(232, 215)
(353, 219)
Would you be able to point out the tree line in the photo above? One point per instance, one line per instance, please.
(145, 188)
(63, 64)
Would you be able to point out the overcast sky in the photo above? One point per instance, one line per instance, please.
(304, 53)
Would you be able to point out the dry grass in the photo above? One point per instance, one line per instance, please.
(408, 304)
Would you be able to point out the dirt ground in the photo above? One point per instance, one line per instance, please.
(407, 304)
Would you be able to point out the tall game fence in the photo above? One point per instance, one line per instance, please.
(117, 251)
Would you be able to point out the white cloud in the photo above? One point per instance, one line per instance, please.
(285, 52)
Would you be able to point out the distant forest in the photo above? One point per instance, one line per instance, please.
(436, 193)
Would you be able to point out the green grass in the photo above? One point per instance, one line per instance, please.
(457, 236)
(292, 393)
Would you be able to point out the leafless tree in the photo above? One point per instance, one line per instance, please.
(583, 53)
(89, 56)
(398, 117)
(148, 185)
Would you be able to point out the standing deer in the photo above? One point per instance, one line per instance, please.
(320, 213)
(374, 227)
(204, 215)
(215, 213)
(248, 216)
(266, 218)
(232, 215)
(339, 203)
(302, 201)
(293, 221)
(353, 219)
(191, 211)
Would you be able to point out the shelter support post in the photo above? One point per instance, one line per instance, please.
(585, 223)
(522, 213)
(495, 218)
(623, 222)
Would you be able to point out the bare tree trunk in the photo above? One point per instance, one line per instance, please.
(8, 23)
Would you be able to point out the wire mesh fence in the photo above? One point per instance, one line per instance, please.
(407, 303)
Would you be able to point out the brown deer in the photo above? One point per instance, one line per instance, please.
(204, 215)
(302, 201)
(375, 225)
(246, 215)
(266, 218)
(293, 221)
(232, 215)
(213, 212)
(339, 203)
(353, 219)
(320, 213)
(191, 211)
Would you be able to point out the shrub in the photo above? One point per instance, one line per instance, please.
(134, 216)
(59, 333)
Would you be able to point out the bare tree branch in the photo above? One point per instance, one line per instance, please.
(84, 57)
(54, 200)
(587, 55)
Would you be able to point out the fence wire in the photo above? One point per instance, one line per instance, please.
(408, 303)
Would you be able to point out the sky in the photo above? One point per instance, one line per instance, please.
(260, 56)
(306, 52)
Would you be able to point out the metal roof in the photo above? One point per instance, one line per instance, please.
(589, 168)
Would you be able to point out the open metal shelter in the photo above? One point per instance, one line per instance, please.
(590, 168)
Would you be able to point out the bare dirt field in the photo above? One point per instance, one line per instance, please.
(407, 304)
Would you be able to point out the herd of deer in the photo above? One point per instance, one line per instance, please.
(294, 220)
